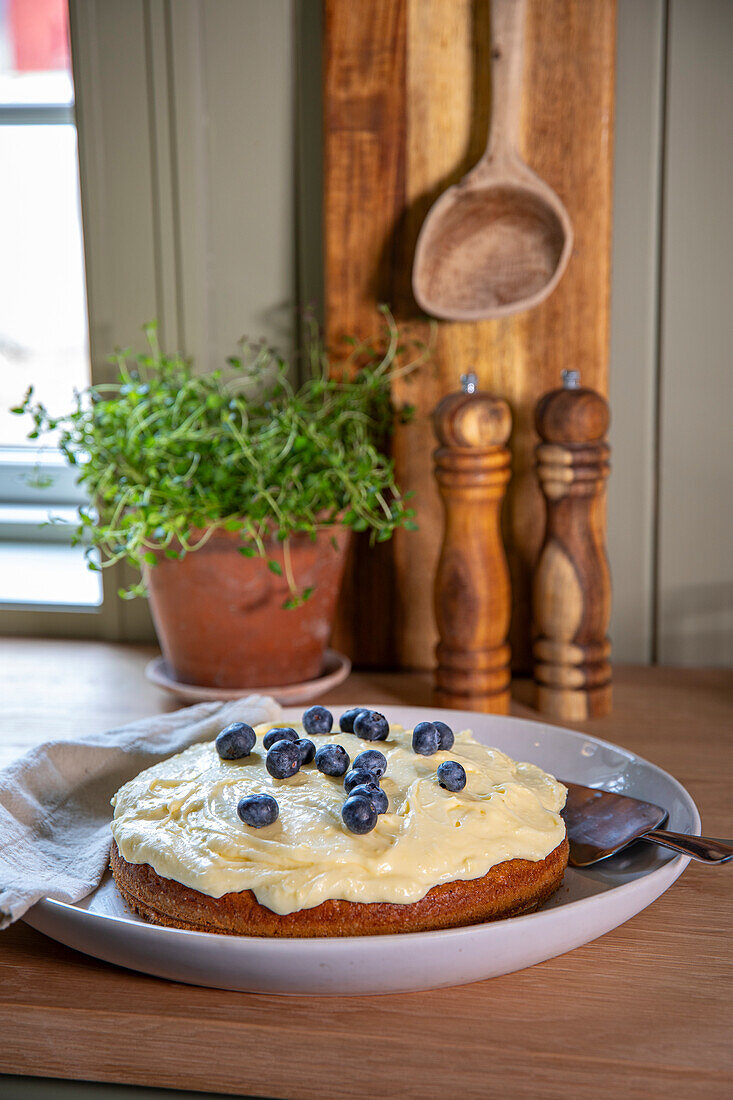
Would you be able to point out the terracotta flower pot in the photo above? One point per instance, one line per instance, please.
(220, 619)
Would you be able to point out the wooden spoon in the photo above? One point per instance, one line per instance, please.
(499, 241)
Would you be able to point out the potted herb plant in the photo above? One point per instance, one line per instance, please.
(234, 493)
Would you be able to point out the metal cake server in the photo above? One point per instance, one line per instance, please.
(601, 823)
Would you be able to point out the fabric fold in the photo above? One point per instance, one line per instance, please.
(55, 808)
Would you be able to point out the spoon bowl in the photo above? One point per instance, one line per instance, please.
(499, 241)
(489, 251)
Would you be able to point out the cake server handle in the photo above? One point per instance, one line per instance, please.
(707, 849)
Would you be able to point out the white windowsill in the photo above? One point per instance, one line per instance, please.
(47, 577)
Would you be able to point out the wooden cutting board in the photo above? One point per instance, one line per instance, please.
(406, 112)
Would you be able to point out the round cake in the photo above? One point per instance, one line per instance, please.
(183, 856)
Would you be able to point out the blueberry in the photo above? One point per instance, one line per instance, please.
(376, 796)
(279, 733)
(380, 802)
(346, 721)
(451, 775)
(258, 810)
(354, 778)
(236, 741)
(306, 748)
(371, 726)
(359, 815)
(445, 733)
(332, 760)
(425, 738)
(317, 720)
(283, 759)
(371, 760)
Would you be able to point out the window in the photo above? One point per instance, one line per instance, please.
(43, 326)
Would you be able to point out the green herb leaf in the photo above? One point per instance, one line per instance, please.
(166, 453)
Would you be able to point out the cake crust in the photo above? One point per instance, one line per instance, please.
(510, 889)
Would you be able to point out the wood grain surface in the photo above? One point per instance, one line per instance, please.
(571, 597)
(472, 596)
(407, 107)
(498, 242)
(645, 1011)
(364, 59)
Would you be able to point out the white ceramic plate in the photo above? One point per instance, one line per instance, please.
(590, 902)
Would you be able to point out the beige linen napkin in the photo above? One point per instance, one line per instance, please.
(54, 801)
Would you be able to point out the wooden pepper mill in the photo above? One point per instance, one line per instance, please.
(572, 587)
(472, 593)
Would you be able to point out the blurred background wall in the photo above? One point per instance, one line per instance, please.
(671, 382)
(199, 133)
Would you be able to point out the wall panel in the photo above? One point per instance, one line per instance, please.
(234, 153)
(695, 563)
(634, 324)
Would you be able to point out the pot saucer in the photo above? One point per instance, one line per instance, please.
(336, 667)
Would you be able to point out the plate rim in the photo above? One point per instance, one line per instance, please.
(668, 871)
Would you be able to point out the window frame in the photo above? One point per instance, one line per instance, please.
(106, 141)
(160, 213)
(25, 509)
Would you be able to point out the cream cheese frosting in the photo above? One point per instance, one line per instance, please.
(180, 817)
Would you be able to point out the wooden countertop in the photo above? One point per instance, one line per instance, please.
(643, 1011)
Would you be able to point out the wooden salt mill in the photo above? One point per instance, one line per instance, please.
(572, 587)
(472, 593)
